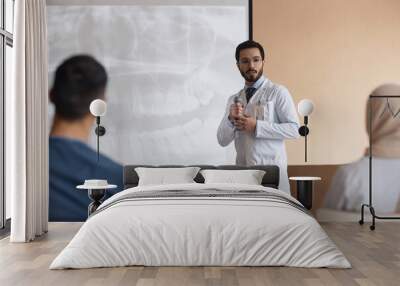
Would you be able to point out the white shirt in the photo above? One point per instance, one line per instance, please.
(350, 186)
(273, 107)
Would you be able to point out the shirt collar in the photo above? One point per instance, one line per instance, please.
(256, 84)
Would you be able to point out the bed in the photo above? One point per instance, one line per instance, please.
(199, 224)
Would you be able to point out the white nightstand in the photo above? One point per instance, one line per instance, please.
(305, 189)
(96, 191)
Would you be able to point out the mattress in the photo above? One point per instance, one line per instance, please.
(201, 225)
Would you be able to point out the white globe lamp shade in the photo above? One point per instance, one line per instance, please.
(98, 107)
(305, 107)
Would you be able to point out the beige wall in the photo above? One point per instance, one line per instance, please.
(332, 52)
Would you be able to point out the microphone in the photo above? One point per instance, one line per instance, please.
(238, 99)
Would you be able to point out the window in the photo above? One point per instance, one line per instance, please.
(6, 44)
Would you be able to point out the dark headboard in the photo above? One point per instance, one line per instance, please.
(270, 179)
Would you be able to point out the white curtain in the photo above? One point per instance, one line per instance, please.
(26, 124)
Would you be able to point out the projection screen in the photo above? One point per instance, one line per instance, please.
(171, 68)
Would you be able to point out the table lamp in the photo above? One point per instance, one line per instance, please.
(98, 108)
(305, 108)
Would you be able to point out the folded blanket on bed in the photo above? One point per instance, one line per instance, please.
(206, 194)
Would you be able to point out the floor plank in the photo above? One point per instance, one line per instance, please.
(374, 255)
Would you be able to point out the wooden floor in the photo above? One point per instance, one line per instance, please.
(375, 257)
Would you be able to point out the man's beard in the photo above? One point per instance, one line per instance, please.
(251, 77)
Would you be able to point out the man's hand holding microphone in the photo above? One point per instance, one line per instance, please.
(242, 121)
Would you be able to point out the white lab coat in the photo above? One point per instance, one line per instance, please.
(277, 120)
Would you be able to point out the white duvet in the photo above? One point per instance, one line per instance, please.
(183, 231)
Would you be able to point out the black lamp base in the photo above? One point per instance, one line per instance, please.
(100, 130)
(303, 130)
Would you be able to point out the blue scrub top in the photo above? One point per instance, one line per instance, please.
(71, 162)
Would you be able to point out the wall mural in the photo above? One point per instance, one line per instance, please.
(171, 69)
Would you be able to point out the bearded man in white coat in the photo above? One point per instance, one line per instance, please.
(260, 116)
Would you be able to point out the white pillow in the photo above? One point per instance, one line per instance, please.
(248, 177)
(165, 176)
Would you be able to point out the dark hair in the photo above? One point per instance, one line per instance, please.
(78, 81)
(247, 45)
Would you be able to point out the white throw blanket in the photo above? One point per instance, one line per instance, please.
(201, 224)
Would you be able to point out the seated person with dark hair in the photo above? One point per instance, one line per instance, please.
(78, 81)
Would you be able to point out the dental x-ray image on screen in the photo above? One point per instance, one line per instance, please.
(171, 69)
